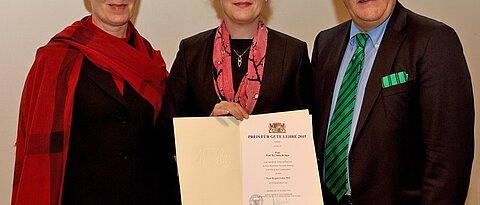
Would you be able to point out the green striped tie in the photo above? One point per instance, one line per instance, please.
(336, 149)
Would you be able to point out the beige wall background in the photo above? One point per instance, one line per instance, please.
(27, 25)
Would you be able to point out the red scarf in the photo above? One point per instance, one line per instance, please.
(47, 101)
(249, 87)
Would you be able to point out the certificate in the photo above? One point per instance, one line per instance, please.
(268, 159)
(279, 161)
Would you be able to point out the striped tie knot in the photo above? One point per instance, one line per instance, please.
(361, 40)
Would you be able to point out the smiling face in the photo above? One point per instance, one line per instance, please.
(111, 15)
(242, 12)
(368, 14)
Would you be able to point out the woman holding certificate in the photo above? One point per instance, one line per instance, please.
(239, 68)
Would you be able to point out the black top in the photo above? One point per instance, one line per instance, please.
(240, 46)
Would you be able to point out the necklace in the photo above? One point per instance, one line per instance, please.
(239, 59)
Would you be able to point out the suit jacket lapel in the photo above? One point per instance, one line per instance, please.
(391, 42)
(104, 81)
(327, 62)
(336, 50)
(274, 68)
(200, 59)
(205, 69)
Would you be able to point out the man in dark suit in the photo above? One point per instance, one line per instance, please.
(394, 125)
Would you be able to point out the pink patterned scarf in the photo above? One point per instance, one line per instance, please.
(249, 87)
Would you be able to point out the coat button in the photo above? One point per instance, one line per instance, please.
(123, 119)
(122, 116)
(123, 155)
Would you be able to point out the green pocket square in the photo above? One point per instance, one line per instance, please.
(394, 79)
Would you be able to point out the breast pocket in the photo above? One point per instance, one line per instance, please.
(398, 89)
(398, 101)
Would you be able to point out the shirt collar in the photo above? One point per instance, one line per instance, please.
(375, 34)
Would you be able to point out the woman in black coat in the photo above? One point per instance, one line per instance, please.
(240, 68)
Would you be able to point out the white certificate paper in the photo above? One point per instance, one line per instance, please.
(268, 159)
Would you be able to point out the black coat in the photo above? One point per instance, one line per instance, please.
(114, 155)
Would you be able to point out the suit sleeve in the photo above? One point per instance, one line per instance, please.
(174, 98)
(447, 119)
(303, 82)
(314, 68)
(172, 102)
